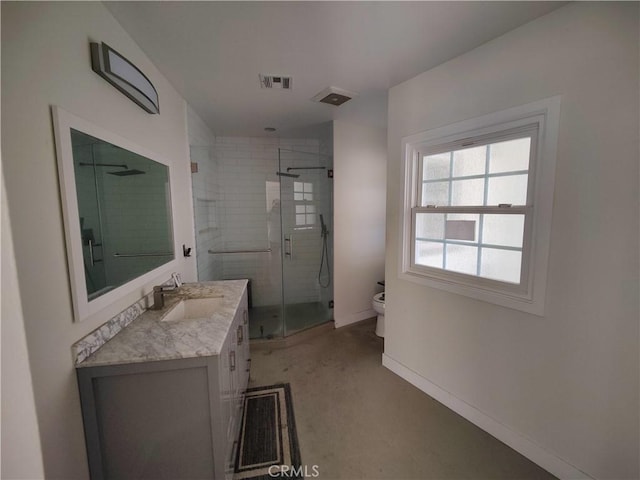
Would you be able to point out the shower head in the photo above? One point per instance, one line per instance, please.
(282, 174)
(121, 173)
(125, 173)
(306, 168)
(119, 165)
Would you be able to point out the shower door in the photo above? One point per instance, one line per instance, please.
(306, 216)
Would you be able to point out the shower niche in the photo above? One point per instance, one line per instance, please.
(117, 213)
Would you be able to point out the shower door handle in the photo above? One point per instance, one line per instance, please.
(288, 246)
(232, 360)
(91, 253)
(92, 258)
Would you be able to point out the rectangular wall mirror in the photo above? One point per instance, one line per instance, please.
(117, 212)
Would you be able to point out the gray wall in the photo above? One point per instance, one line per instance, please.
(45, 61)
(568, 381)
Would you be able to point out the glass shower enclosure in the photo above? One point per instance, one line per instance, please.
(269, 220)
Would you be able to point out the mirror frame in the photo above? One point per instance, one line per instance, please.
(63, 122)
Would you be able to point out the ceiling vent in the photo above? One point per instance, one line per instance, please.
(334, 96)
(281, 82)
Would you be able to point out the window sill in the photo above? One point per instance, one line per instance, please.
(514, 301)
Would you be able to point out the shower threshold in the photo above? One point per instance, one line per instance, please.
(265, 322)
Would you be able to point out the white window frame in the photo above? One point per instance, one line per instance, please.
(538, 119)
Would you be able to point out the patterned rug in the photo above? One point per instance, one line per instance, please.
(268, 440)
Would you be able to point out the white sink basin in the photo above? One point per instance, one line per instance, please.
(194, 308)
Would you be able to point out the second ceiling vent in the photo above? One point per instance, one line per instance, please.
(334, 96)
(281, 82)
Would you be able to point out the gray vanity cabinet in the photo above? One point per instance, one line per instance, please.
(237, 363)
(167, 419)
(234, 366)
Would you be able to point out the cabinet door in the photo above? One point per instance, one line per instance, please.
(143, 420)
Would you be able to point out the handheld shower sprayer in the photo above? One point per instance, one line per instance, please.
(324, 231)
(324, 259)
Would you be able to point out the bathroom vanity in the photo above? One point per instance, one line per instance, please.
(163, 399)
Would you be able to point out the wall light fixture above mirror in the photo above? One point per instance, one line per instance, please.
(116, 199)
(125, 76)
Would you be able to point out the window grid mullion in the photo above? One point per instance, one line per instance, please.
(475, 177)
(418, 164)
(485, 196)
(489, 209)
(469, 244)
(446, 215)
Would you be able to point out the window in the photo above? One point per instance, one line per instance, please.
(305, 215)
(305, 208)
(472, 206)
(477, 206)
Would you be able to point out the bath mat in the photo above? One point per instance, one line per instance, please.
(268, 439)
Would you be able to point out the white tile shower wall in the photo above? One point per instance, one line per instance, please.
(245, 166)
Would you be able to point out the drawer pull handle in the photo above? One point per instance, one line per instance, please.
(240, 334)
(232, 360)
(245, 317)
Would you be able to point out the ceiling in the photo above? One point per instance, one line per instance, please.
(213, 52)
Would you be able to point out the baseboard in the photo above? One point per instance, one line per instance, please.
(344, 320)
(538, 455)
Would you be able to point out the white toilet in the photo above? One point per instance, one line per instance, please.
(378, 306)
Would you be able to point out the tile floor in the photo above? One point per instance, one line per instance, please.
(358, 420)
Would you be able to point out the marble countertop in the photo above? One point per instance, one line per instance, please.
(149, 338)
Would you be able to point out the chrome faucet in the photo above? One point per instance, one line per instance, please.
(159, 291)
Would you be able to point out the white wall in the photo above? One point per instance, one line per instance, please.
(45, 61)
(567, 383)
(21, 451)
(360, 162)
